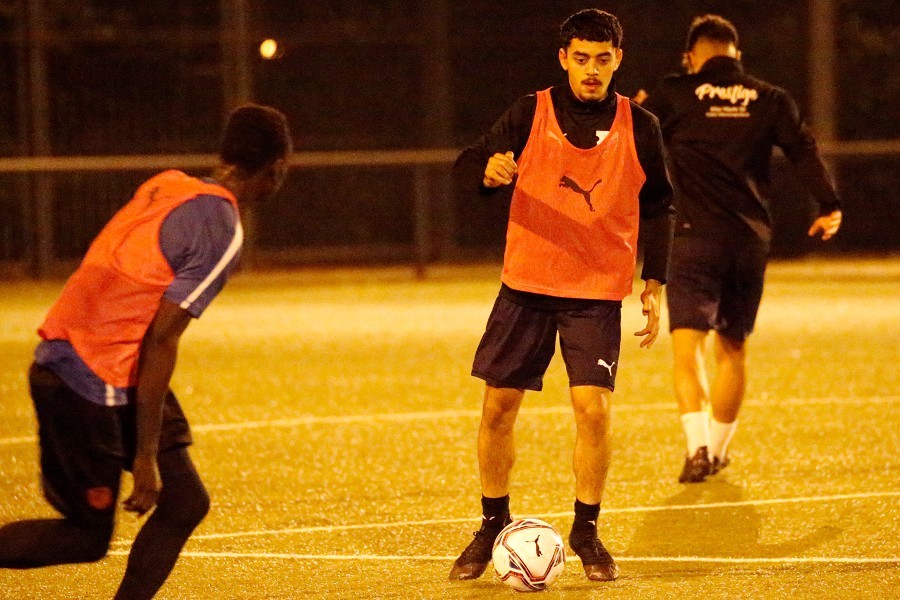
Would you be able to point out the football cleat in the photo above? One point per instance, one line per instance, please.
(475, 558)
(696, 467)
(597, 562)
(718, 464)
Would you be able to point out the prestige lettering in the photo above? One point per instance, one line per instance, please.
(736, 94)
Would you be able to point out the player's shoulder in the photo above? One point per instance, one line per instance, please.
(163, 180)
(176, 186)
(674, 78)
(777, 99)
(212, 207)
(521, 111)
(172, 178)
(763, 85)
(213, 217)
(641, 116)
(675, 81)
(526, 102)
(672, 89)
(171, 175)
(206, 211)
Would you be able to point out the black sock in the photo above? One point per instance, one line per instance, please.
(494, 511)
(585, 523)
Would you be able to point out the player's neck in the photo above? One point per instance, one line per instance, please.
(227, 177)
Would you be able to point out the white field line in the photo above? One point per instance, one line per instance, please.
(428, 557)
(606, 511)
(472, 413)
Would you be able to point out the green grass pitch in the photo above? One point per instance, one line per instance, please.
(335, 421)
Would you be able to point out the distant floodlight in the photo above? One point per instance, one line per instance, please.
(269, 49)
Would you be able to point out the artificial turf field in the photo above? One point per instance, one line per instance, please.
(335, 421)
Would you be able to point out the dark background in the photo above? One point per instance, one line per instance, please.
(147, 77)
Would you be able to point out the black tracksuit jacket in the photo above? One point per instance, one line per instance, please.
(720, 126)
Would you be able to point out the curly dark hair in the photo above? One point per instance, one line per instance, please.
(711, 27)
(255, 137)
(591, 25)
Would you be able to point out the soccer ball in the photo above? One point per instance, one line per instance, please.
(529, 555)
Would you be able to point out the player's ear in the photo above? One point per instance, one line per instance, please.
(737, 54)
(562, 59)
(279, 172)
(618, 58)
(686, 62)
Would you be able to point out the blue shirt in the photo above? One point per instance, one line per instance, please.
(201, 241)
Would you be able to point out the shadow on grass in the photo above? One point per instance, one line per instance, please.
(716, 532)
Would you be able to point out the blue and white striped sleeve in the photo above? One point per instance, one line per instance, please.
(201, 240)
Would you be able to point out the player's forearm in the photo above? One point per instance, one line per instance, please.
(509, 134)
(812, 171)
(468, 173)
(157, 363)
(656, 236)
(799, 145)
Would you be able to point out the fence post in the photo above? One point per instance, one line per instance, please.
(422, 220)
(41, 248)
(437, 125)
(237, 79)
(238, 89)
(822, 52)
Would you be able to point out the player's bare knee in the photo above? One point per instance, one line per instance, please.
(498, 420)
(731, 350)
(593, 417)
(500, 408)
(591, 404)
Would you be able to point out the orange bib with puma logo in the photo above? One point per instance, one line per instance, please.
(109, 302)
(573, 222)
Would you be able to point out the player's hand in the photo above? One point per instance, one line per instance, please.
(650, 298)
(827, 224)
(500, 170)
(147, 485)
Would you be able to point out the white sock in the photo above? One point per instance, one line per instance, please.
(696, 429)
(720, 435)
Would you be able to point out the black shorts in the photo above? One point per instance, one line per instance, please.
(85, 446)
(519, 342)
(715, 285)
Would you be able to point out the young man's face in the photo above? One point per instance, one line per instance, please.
(265, 184)
(590, 66)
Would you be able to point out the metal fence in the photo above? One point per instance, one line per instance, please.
(356, 206)
(379, 206)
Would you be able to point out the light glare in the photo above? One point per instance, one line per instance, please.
(268, 48)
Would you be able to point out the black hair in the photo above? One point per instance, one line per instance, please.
(591, 25)
(711, 27)
(255, 137)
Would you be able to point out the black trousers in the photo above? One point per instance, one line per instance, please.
(84, 449)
